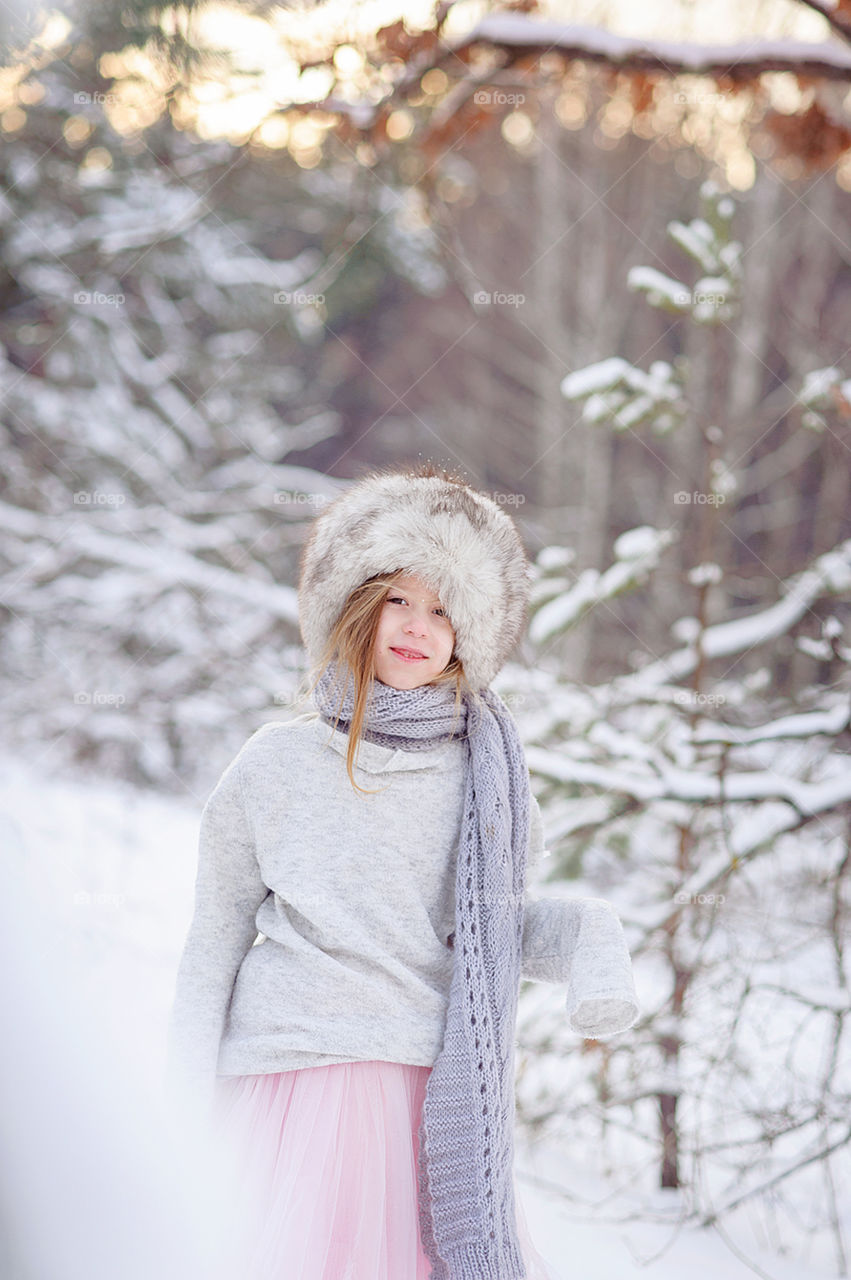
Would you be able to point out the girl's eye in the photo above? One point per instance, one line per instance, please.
(400, 600)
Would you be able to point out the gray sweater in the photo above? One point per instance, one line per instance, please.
(353, 898)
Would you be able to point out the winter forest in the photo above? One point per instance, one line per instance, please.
(597, 257)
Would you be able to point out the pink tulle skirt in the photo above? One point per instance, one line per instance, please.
(327, 1170)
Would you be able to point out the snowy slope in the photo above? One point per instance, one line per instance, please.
(110, 873)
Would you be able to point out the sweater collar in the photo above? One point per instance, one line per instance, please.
(377, 759)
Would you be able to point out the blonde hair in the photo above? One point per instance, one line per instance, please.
(352, 642)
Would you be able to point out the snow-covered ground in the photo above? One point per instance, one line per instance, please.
(96, 900)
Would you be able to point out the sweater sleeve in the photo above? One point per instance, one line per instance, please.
(228, 892)
(579, 941)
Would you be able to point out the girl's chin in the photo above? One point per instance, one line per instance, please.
(391, 684)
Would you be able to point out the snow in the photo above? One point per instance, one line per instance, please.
(595, 377)
(638, 544)
(686, 629)
(517, 29)
(590, 1227)
(107, 1180)
(134, 554)
(553, 558)
(615, 390)
(661, 289)
(806, 725)
(723, 479)
(817, 383)
(712, 297)
(637, 551)
(819, 391)
(682, 784)
(832, 571)
(705, 574)
(698, 240)
(108, 1183)
(565, 608)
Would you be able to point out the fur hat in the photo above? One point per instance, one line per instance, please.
(426, 521)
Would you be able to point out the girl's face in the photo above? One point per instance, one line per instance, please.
(412, 621)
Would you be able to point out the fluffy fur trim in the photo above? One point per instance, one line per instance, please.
(425, 521)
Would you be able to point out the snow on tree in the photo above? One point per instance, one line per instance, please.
(824, 392)
(636, 553)
(159, 368)
(713, 810)
(479, 68)
(615, 391)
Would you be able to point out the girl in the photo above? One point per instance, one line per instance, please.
(360, 1054)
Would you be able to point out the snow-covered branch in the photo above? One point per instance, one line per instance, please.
(636, 552)
(518, 34)
(830, 721)
(829, 574)
(834, 14)
(691, 786)
(171, 567)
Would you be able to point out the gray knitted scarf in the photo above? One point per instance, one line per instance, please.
(466, 1134)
